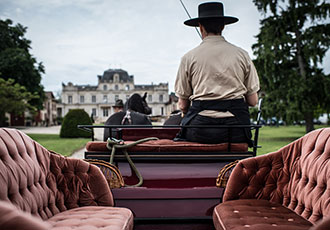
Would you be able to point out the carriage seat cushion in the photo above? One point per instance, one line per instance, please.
(257, 215)
(90, 217)
(166, 145)
(93, 217)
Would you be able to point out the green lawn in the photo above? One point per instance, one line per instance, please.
(64, 146)
(273, 138)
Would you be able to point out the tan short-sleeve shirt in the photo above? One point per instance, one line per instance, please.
(216, 70)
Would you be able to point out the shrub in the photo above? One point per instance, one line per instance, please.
(71, 120)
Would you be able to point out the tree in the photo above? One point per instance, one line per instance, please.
(14, 99)
(17, 63)
(293, 40)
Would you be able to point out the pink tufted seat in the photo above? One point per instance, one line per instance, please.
(44, 190)
(287, 189)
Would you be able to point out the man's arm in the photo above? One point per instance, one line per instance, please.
(251, 99)
(184, 104)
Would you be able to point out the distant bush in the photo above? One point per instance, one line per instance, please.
(71, 120)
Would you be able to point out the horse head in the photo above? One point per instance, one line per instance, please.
(138, 104)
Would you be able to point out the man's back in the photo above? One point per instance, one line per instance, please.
(216, 81)
(217, 70)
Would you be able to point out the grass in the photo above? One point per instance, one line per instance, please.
(64, 146)
(274, 138)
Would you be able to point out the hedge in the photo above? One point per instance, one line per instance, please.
(71, 120)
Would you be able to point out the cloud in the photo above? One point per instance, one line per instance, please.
(79, 39)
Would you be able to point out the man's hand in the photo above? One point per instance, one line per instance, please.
(184, 105)
(251, 99)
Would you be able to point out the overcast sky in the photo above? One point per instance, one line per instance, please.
(77, 40)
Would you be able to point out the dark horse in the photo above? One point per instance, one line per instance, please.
(175, 118)
(135, 112)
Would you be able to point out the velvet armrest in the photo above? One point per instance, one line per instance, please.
(77, 183)
(12, 217)
(263, 177)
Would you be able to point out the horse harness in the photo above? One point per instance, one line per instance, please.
(127, 117)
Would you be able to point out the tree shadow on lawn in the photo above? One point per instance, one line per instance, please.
(280, 139)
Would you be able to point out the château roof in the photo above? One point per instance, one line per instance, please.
(86, 87)
(151, 87)
(114, 76)
(144, 87)
(108, 76)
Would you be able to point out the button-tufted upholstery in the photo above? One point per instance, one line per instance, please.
(323, 224)
(53, 188)
(287, 189)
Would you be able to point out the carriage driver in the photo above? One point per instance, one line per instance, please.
(216, 82)
(119, 106)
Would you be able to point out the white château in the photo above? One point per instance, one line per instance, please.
(114, 84)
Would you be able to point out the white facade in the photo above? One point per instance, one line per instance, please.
(112, 85)
(48, 114)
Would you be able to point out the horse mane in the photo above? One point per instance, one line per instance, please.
(138, 104)
(133, 103)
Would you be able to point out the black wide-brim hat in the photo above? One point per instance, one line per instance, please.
(118, 103)
(210, 10)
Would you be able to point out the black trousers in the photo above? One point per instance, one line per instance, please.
(216, 135)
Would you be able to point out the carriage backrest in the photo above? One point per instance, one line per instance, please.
(41, 182)
(128, 134)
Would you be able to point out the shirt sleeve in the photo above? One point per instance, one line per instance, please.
(251, 81)
(182, 87)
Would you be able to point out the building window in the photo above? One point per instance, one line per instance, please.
(82, 99)
(116, 97)
(105, 87)
(116, 77)
(116, 87)
(105, 112)
(105, 98)
(127, 87)
(161, 98)
(70, 99)
(93, 99)
(94, 112)
(149, 98)
(162, 110)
